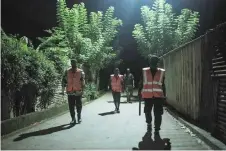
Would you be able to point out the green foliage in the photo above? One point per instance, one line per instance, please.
(90, 91)
(13, 52)
(58, 57)
(162, 30)
(22, 65)
(89, 37)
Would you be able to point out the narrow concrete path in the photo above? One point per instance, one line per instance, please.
(112, 131)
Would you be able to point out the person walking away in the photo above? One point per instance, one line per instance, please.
(74, 82)
(129, 85)
(153, 93)
(116, 84)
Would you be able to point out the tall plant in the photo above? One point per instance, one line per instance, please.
(26, 74)
(161, 30)
(88, 38)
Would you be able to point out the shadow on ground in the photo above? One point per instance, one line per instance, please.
(44, 131)
(107, 113)
(125, 102)
(120, 102)
(134, 99)
(158, 143)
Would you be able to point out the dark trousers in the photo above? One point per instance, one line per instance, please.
(158, 111)
(116, 97)
(75, 101)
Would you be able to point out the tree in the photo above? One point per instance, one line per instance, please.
(88, 38)
(162, 30)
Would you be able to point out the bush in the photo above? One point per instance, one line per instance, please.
(13, 52)
(22, 65)
(90, 92)
(58, 58)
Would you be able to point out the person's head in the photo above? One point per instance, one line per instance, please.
(116, 71)
(153, 61)
(73, 63)
(127, 70)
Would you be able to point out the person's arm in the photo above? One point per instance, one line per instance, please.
(164, 86)
(122, 83)
(133, 81)
(124, 78)
(140, 85)
(109, 84)
(83, 80)
(64, 81)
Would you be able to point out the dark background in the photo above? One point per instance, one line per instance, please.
(31, 17)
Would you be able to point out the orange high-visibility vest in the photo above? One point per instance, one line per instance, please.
(152, 87)
(116, 85)
(73, 80)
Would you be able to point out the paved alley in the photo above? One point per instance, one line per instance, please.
(112, 131)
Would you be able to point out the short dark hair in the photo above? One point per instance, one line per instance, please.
(154, 58)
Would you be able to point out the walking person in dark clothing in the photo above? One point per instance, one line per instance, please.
(116, 84)
(152, 90)
(74, 82)
(129, 85)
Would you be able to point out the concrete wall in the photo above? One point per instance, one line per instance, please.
(13, 124)
(183, 78)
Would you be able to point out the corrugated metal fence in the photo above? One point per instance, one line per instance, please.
(190, 87)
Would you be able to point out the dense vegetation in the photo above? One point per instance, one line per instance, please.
(31, 76)
(88, 38)
(26, 75)
(162, 30)
(29, 73)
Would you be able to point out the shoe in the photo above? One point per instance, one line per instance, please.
(79, 118)
(118, 111)
(147, 136)
(156, 135)
(73, 122)
(149, 128)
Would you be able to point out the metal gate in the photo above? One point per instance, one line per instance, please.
(219, 74)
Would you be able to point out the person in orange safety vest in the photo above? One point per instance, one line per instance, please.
(74, 82)
(152, 89)
(116, 85)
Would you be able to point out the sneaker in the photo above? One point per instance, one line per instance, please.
(73, 121)
(157, 136)
(79, 119)
(118, 111)
(147, 136)
(149, 128)
(156, 133)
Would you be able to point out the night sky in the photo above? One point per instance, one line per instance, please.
(30, 17)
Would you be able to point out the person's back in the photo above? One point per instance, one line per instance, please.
(129, 79)
(129, 85)
(153, 93)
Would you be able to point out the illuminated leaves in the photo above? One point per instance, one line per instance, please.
(162, 30)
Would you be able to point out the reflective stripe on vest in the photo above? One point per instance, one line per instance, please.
(152, 87)
(73, 80)
(116, 83)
